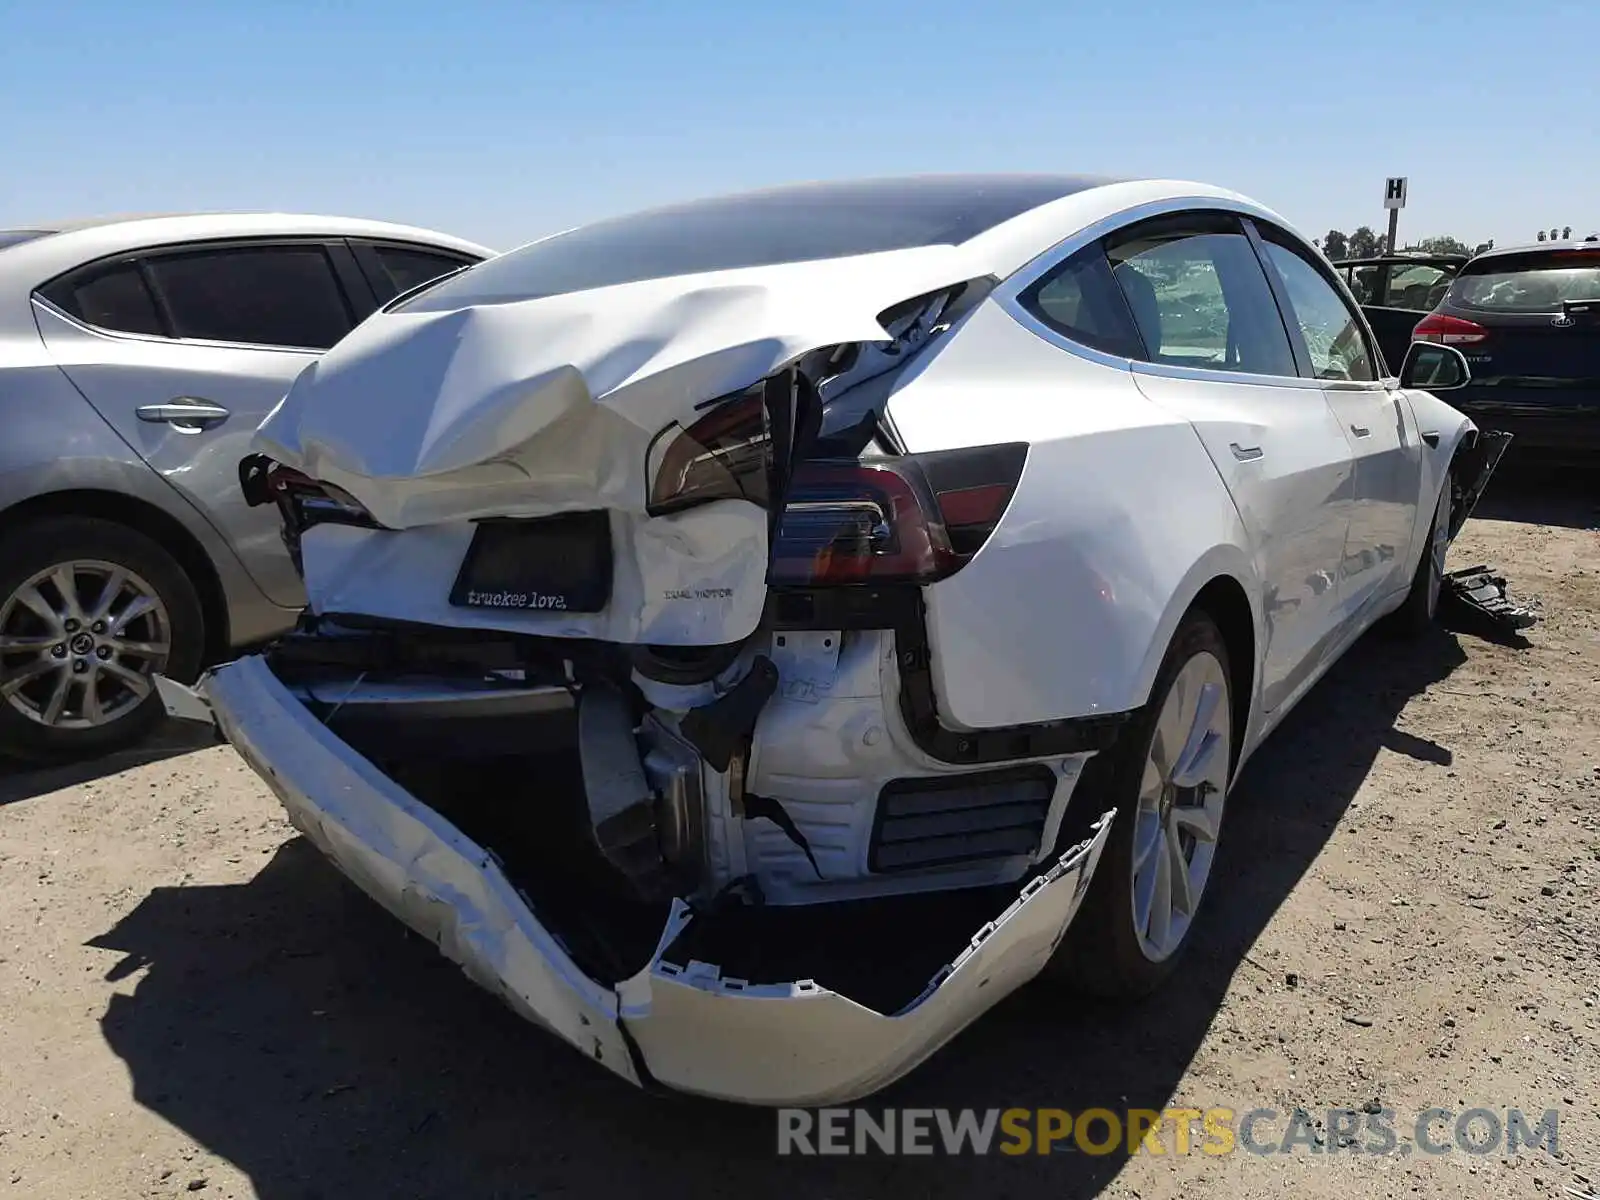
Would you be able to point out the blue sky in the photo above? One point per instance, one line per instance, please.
(505, 121)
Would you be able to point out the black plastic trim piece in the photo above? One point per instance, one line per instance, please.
(1025, 817)
(717, 730)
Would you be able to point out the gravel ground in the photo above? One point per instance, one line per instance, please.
(195, 1003)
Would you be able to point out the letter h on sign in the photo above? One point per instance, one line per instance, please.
(1394, 192)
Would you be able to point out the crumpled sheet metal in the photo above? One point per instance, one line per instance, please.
(550, 405)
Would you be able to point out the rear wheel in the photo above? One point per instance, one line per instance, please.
(1169, 777)
(1416, 615)
(90, 611)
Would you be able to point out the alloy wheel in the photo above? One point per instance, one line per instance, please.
(79, 643)
(1438, 548)
(1179, 813)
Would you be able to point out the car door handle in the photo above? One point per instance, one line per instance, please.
(1432, 438)
(184, 413)
(1360, 431)
(1245, 453)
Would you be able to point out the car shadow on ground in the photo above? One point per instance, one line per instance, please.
(292, 1027)
(23, 781)
(1538, 495)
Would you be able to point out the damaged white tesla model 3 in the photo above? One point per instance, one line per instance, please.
(754, 636)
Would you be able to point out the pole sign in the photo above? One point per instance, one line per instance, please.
(1394, 192)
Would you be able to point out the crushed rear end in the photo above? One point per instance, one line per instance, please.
(615, 682)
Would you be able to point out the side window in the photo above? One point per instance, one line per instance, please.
(1079, 300)
(1418, 287)
(1198, 295)
(1364, 284)
(1331, 331)
(112, 297)
(282, 295)
(409, 267)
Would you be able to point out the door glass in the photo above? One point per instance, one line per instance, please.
(1079, 300)
(408, 268)
(1365, 283)
(1418, 287)
(1199, 298)
(1332, 334)
(263, 295)
(114, 298)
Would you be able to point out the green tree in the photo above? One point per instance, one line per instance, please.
(1442, 245)
(1365, 244)
(1336, 245)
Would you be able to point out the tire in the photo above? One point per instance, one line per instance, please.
(43, 643)
(1417, 612)
(1109, 950)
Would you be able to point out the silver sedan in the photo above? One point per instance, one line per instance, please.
(136, 359)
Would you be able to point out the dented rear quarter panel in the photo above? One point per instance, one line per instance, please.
(1120, 519)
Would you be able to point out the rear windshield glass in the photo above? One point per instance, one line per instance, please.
(1531, 284)
(801, 223)
(14, 237)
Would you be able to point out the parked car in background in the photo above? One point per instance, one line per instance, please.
(137, 358)
(1528, 320)
(1396, 291)
(754, 636)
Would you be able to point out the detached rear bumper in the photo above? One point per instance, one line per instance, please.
(682, 1026)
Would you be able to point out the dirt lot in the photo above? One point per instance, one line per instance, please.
(194, 1003)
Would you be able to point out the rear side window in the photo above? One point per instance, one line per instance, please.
(261, 295)
(1198, 295)
(406, 267)
(1534, 283)
(1079, 300)
(113, 298)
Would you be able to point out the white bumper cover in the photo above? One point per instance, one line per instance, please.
(683, 1027)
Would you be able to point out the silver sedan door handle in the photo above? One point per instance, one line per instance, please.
(1245, 453)
(186, 414)
(1360, 431)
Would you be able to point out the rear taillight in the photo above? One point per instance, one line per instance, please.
(1448, 331)
(856, 522)
(313, 501)
(722, 456)
(302, 501)
(911, 520)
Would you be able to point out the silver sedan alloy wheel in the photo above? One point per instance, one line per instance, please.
(79, 642)
(1179, 814)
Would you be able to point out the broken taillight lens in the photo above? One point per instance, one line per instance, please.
(722, 456)
(913, 519)
(302, 501)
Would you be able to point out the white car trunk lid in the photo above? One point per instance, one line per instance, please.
(435, 420)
